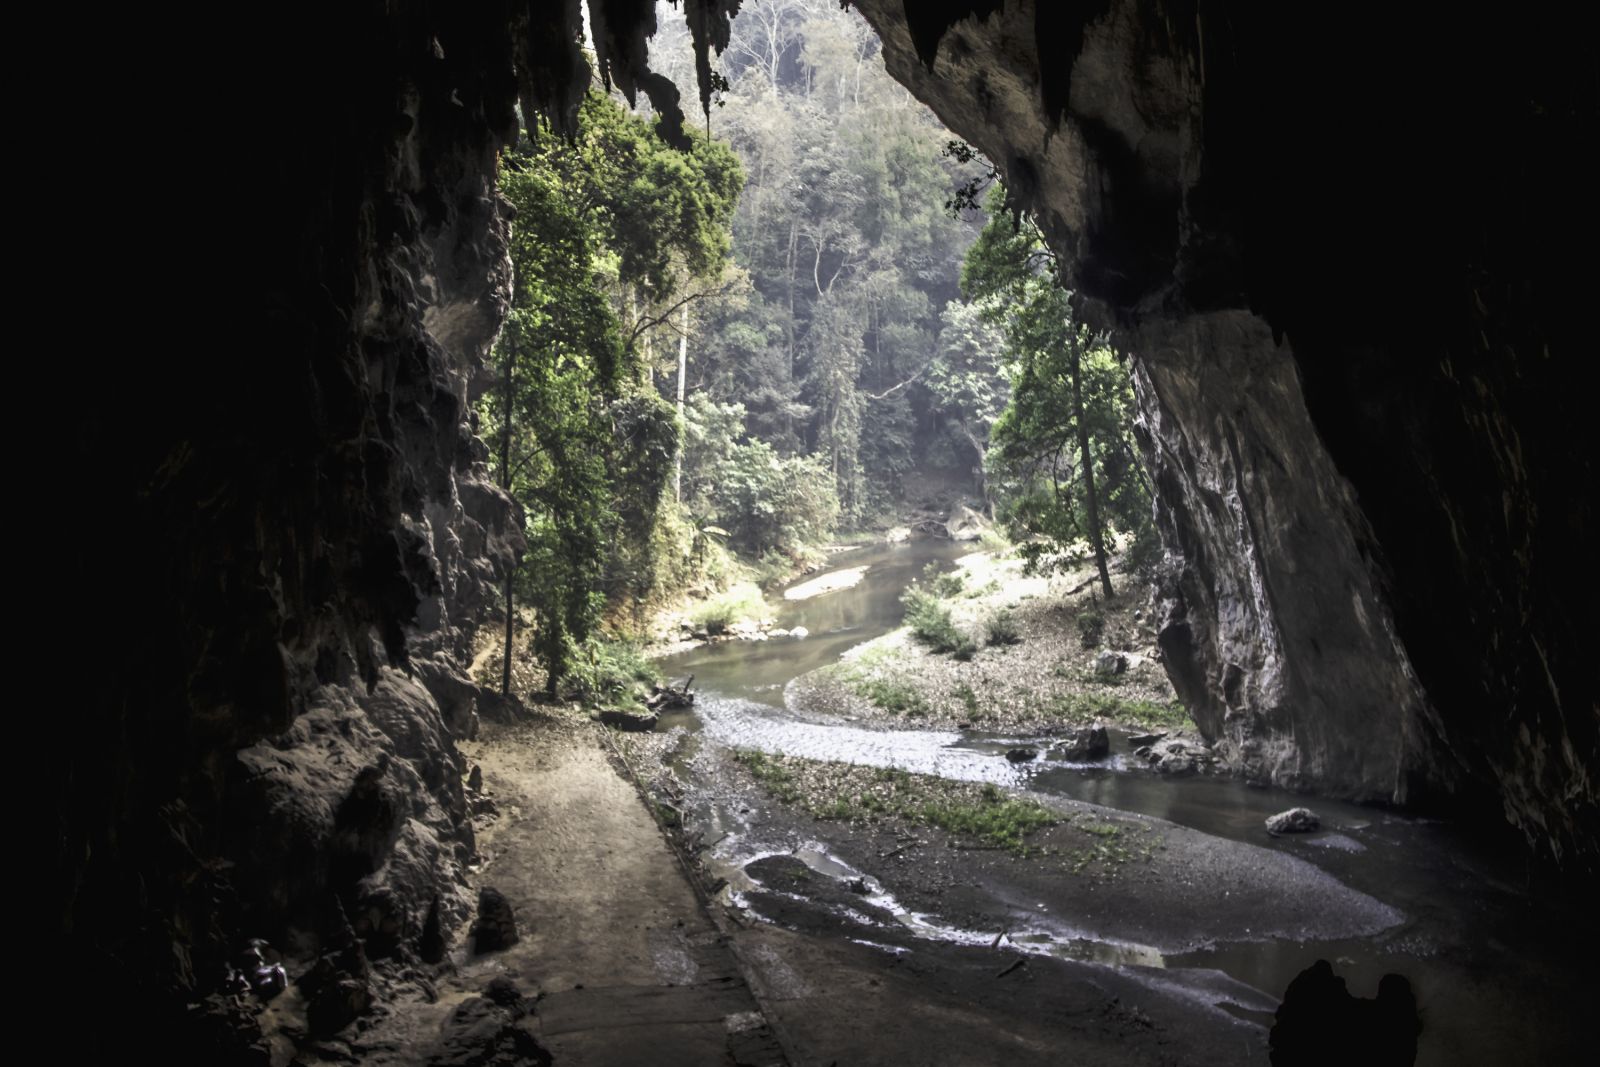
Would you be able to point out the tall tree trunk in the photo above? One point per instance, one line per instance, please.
(505, 483)
(683, 367)
(1090, 497)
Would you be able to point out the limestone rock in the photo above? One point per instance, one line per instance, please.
(1022, 755)
(965, 524)
(1293, 821)
(1363, 588)
(1110, 663)
(496, 925)
(1087, 743)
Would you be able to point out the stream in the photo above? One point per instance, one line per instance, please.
(1499, 964)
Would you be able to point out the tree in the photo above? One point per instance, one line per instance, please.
(608, 227)
(1062, 444)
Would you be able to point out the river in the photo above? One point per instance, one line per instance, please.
(1500, 959)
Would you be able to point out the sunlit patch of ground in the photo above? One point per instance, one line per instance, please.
(1037, 640)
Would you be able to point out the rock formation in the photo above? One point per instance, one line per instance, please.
(1340, 251)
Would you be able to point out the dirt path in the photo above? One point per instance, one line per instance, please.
(632, 968)
(626, 965)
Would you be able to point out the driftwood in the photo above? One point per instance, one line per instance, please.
(671, 696)
(1021, 961)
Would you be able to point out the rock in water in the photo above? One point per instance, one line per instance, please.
(800, 631)
(1293, 821)
(1090, 742)
(496, 927)
(1138, 741)
(1022, 755)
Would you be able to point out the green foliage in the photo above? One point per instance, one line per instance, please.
(893, 697)
(771, 773)
(610, 673)
(1002, 628)
(1091, 624)
(580, 444)
(1064, 380)
(984, 814)
(851, 260)
(943, 584)
(743, 601)
(930, 622)
(1089, 707)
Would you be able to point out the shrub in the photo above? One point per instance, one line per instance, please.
(723, 610)
(606, 672)
(1091, 624)
(1002, 628)
(930, 623)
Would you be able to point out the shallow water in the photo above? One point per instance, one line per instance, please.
(1494, 968)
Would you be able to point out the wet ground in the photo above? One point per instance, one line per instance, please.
(1201, 935)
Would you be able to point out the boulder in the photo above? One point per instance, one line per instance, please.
(965, 524)
(484, 1032)
(1022, 755)
(1293, 821)
(799, 631)
(1090, 742)
(627, 720)
(1138, 741)
(1110, 663)
(1177, 756)
(496, 926)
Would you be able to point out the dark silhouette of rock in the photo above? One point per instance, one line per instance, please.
(496, 926)
(1022, 755)
(1138, 741)
(475, 779)
(430, 946)
(1319, 1024)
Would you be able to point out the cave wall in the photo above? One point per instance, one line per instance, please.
(1345, 249)
(304, 530)
(280, 532)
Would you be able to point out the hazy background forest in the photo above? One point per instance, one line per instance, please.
(812, 324)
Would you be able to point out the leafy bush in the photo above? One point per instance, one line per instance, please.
(1091, 624)
(765, 501)
(930, 623)
(944, 585)
(722, 611)
(1002, 628)
(609, 673)
(891, 697)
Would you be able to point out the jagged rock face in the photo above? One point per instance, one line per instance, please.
(1338, 246)
(305, 546)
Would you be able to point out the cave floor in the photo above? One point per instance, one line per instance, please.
(632, 964)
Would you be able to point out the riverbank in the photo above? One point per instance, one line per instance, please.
(1049, 653)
